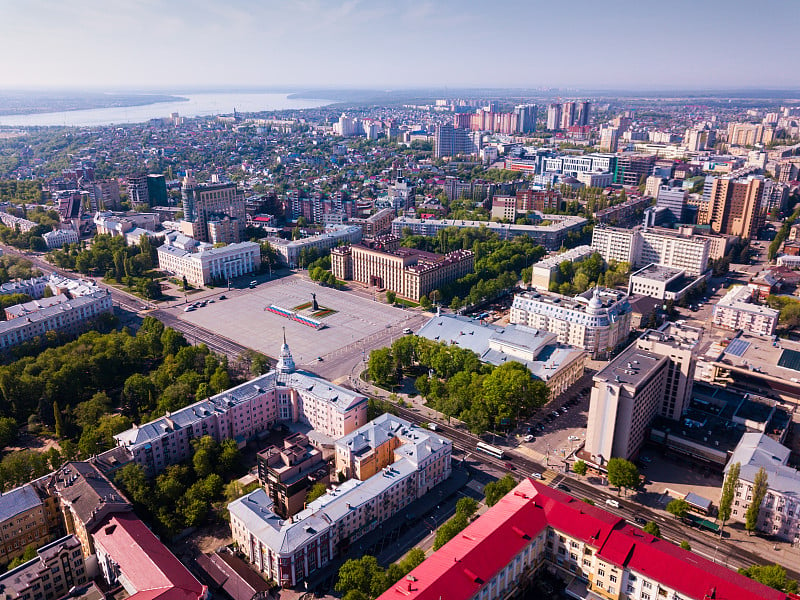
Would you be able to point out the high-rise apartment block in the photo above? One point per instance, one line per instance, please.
(749, 134)
(567, 115)
(449, 141)
(597, 321)
(553, 116)
(205, 205)
(526, 117)
(735, 206)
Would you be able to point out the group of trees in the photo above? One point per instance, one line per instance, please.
(364, 579)
(772, 575)
(21, 191)
(499, 263)
(575, 278)
(623, 473)
(783, 233)
(456, 383)
(15, 267)
(789, 311)
(87, 390)
(109, 256)
(465, 508)
(14, 236)
(183, 495)
(495, 490)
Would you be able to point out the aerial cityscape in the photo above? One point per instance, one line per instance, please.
(398, 301)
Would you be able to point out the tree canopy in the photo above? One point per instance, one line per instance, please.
(622, 473)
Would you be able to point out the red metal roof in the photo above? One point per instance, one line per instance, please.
(459, 569)
(150, 568)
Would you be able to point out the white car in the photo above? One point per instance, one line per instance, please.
(529, 438)
(573, 438)
(536, 475)
(613, 503)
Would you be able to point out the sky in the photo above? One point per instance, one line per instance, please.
(399, 44)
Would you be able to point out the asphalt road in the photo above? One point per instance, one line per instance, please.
(720, 550)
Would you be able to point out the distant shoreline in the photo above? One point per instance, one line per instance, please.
(24, 104)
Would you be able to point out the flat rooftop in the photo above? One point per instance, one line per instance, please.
(658, 272)
(632, 367)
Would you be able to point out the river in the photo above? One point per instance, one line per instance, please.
(196, 105)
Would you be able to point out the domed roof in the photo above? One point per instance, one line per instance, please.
(595, 304)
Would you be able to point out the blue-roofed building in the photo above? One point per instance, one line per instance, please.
(24, 520)
(558, 365)
(245, 411)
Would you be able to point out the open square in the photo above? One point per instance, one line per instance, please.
(242, 318)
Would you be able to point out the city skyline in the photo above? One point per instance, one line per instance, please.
(379, 44)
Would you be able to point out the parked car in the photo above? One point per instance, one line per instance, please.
(573, 438)
(223, 297)
(529, 438)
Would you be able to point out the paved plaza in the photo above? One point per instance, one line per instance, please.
(242, 318)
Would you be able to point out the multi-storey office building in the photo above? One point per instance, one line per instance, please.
(632, 169)
(289, 551)
(654, 245)
(246, 410)
(652, 376)
(625, 396)
(410, 273)
(537, 527)
(210, 264)
(596, 321)
(736, 310)
(544, 271)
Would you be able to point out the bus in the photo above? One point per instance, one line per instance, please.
(490, 450)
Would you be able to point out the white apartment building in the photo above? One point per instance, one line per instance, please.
(672, 249)
(69, 318)
(737, 311)
(288, 551)
(246, 410)
(545, 269)
(58, 238)
(210, 264)
(614, 243)
(780, 509)
(596, 321)
(642, 247)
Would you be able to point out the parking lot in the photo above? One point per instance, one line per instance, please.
(241, 317)
(559, 428)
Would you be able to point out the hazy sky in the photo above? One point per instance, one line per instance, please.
(391, 44)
